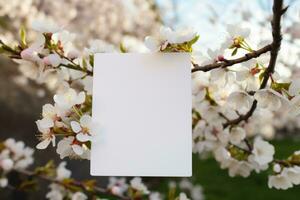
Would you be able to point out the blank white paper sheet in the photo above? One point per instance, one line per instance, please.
(143, 104)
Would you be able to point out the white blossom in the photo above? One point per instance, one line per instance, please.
(136, 183)
(79, 196)
(45, 26)
(88, 84)
(21, 155)
(6, 164)
(263, 151)
(279, 181)
(69, 98)
(168, 36)
(182, 196)
(68, 147)
(268, 98)
(3, 182)
(83, 129)
(117, 185)
(62, 172)
(240, 100)
(56, 192)
(293, 174)
(294, 88)
(155, 196)
(236, 135)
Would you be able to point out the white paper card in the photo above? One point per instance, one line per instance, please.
(143, 103)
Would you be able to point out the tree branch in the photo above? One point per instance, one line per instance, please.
(278, 11)
(228, 63)
(96, 189)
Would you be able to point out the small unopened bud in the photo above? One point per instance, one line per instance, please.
(73, 54)
(26, 54)
(46, 61)
(277, 168)
(221, 58)
(52, 59)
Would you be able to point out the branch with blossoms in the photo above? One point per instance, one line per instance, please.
(15, 158)
(237, 93)
(221, 62)
(278, 11)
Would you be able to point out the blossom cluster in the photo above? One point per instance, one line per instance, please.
(16, 157)
(116, 186)
(13, 156)
(286, 173)
(67, 119)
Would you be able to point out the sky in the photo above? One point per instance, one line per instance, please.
(199, 13)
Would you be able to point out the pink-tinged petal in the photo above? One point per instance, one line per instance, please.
(77, 149)
(75, 126)
(43, 144)
(53, 59)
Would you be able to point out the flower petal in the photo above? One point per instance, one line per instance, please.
(77, 149)
(83, 137)
(80, 98)
(152, 44)
(43, 144)
(85, 120)
(75, 126)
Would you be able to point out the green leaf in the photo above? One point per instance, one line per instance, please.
(172, 194)
(194, 40)
(28, 185)
(234, 52)
(122, 48)
(70, 184)
(89, 185)
(91, 60)
(84, 64)
(23, 37)
(280, 86)
(294, 159)
(48, 169)
(261, 75)
(209, 98)
(237, 153)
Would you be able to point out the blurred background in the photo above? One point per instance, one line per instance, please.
(128, 22)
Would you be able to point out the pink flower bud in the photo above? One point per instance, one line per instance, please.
(26, 54)
(73, 54)
(52, 59)
(46, 61)
(221, 58)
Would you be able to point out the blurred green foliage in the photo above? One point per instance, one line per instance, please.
(218, 185)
